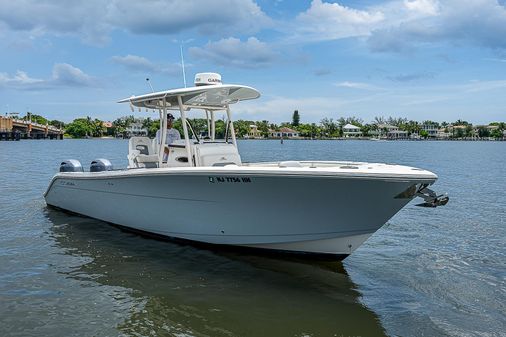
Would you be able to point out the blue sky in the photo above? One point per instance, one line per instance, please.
(420, 59)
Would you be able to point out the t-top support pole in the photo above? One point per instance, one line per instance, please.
(208, 124)
(163, 133)
(185, 130)
(232, 131)
(213, 127)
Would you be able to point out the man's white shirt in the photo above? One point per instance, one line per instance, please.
(172, 135)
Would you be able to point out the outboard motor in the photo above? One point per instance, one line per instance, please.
(71, 165)
(99, 165)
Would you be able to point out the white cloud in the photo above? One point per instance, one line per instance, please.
(233, 52)
(142, 64)
(63, 75)
(66, 74)
(393, 25)
(396, 26)
(478, 22)
(329, 21)
(135, 62)
(21, 78)
(428, 7)
(84, 18)
(172, 16)
(357, 85)
(93, 20)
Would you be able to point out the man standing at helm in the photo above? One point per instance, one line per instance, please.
(172, 135)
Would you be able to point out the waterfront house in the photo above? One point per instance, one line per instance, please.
(382, 130)
(491, 128)
(398, 134)
(431, 129)
(415, 136)
(461, 131)
(136, 129)
(108, 128)
(485, 131)
(289, 133)
(283, 132)
(350, 130)
(391, 132)
(442, 133)
(254, 132)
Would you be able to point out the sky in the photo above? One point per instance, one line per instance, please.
(419, 59)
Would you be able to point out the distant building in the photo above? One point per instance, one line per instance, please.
(454, 130)
(492, 128)
(387, 127)
(382, 130)
(398, 134)
(442, 133)
(109, 130)
(431, 129)
(415, 136)
(389, 131)
(284, 132)
(489, 128)
(5, 124)
(254, 132)
(350, 130)
(289, 133)
(274, 134)
(136, 129)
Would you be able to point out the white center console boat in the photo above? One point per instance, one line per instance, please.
(205, 193)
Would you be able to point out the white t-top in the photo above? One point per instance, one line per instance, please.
(172, 135)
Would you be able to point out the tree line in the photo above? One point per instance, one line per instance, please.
(326, 128)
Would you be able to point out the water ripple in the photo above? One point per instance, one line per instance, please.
(428, 272)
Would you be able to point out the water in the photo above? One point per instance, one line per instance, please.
(428, 272)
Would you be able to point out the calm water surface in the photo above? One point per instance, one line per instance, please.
(428, 272)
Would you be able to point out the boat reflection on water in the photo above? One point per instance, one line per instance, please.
(182, 289)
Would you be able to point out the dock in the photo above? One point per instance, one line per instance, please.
(16, 129)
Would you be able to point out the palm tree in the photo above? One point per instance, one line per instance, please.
(379, 120)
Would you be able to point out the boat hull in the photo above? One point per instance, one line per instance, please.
(326, 213)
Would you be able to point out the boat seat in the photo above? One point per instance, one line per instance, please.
(146, 158)
(141, 153)
(143, 149)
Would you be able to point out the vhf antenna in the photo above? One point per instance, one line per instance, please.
(182, 64)
(147, 80)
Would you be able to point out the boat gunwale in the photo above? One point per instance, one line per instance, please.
(285, 172)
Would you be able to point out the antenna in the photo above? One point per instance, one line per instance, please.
(147, 80)
(182, 64)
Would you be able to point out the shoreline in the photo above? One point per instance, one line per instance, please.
(327, 139)
(381, 140)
